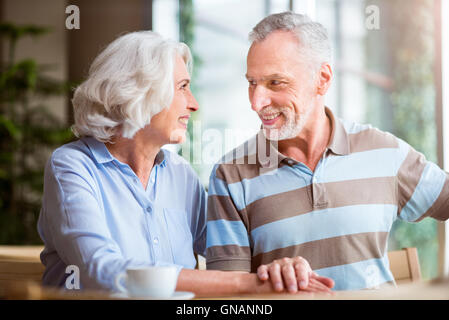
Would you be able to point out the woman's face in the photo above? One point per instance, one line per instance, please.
(171, 123)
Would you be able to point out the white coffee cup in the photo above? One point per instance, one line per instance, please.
(157, 282)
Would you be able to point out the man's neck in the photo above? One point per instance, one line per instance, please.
(310, 144)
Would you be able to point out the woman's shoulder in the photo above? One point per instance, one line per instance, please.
(71, 155)
(177, 162)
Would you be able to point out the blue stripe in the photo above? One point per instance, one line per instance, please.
(359, 275)
(285, 179)
(376, 163)
(323, 224)
(217, 187)
(426, 193)
(404, 149)
(223, 232)
(361, 165)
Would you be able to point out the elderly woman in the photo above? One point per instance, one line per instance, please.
(114, 199)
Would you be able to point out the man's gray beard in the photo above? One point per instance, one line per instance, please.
(290, 130)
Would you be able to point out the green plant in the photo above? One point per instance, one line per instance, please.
(28, 132)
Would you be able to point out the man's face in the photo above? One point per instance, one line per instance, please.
(281, 86)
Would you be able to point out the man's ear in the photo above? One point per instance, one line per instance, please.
(325, 79)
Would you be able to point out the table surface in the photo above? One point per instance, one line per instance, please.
(21, 253)
(433, 290)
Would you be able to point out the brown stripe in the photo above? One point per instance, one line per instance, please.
(332, 251)
(232, 173)
(229, 257)
(254, 157)
(237, 160)
(371, 139)
(230, 265)
(440, 208)
(222, 207)
(215, 253)
(409, 175)
(335, 194)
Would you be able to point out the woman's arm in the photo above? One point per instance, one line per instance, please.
(216, 283)
(208, 283)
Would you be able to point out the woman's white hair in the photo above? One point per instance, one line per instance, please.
(312, 36)
(129, 82)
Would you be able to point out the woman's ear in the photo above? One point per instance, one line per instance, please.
(325, 79)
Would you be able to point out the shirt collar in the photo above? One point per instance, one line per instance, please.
(98, 149)
(338, 144)
(102, 154)
(339, 141)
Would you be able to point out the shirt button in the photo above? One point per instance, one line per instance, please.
(149, 209)
(156, 240)
(135, 180)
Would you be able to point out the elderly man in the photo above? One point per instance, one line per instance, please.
(310, 186)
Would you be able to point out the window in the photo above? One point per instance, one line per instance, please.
(383, 76)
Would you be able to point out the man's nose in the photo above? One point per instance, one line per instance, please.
(259, 98)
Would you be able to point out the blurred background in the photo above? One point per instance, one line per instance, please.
(388, 68)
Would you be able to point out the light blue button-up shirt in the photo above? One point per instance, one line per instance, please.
(97, 216)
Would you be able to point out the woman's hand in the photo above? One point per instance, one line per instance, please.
(294, 274)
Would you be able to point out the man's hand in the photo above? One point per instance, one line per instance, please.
(294, 274)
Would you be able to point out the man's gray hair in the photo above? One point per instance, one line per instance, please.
(312, 36)
(129, 82)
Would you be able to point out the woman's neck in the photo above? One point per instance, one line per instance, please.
(138, 153)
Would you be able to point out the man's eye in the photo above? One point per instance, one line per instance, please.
(184, 86)
(275, 82)
(252, 83)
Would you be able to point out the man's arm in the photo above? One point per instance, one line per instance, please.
(228, 244)
(423, 188)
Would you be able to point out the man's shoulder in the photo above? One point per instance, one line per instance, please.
(366, 137)
(239, 163)
(239, 154)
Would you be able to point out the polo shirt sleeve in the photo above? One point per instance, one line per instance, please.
(227, 234)
(423, 187)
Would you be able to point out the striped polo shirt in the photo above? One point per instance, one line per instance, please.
(263, 205)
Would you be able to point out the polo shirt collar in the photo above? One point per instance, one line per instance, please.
(102, 155)
(338, 144)
(339, 141)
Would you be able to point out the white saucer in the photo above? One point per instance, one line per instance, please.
(177, 295)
